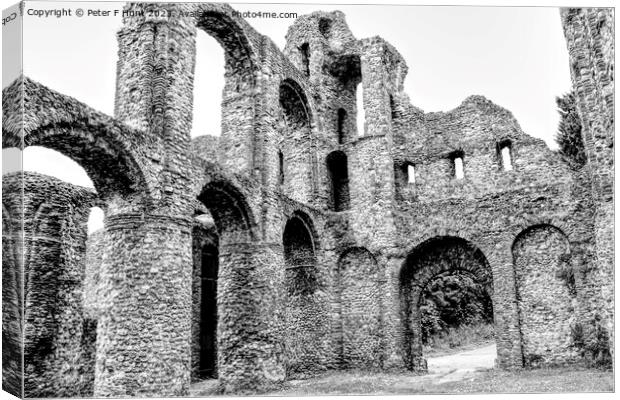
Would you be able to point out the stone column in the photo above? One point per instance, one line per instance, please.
(143, 334)
(251, 317)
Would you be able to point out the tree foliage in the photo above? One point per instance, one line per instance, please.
(453, 300)
(568, 137)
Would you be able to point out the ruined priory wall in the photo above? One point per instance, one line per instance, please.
(57, 360)
(589, 34)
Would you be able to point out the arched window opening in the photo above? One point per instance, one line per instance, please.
(299, 257)
(209, 84)
(505, 151)
(304, 49)
(208, 311)
(339, 178)
(342, 119)
(456, 158)
(361, 113)
(325, 26)
(410, 174)
(280, 168)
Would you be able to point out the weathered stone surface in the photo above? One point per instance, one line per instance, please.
(589, 35)
(297, 241)
(52, 214)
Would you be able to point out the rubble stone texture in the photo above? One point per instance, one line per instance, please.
(296, 242)
(589, 34)
(57, 355)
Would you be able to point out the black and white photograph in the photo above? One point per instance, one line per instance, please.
(208, 199)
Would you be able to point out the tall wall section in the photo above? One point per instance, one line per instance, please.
(58, 353)
(589, 36)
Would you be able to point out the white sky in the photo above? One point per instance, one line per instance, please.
(515, 56)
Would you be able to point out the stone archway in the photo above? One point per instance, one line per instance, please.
(99, 144)
(307, 335)
(434, 257)
(249, 299)
(238, 98)
(546, 295)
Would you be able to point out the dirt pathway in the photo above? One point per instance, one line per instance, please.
(449, 368)
(461, 365)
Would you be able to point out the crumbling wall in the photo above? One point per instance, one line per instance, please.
(12, 294)
(283, 115)
(56, 358)
(589, 34)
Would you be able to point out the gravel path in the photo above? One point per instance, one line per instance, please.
(461, 365)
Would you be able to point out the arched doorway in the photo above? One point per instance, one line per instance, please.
(305, 313)
(204, 292)
(249, 289)
(426, 265)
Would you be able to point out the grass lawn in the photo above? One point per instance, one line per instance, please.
(534, 381)
(491, 381)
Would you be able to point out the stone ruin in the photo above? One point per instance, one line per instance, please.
(292, 244)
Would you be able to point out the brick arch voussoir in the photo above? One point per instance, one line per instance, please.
(300, 90)
(307, 222)
(214, 182)
(519, 231)
(421, 277)
(241, 43)
(349, 251)
(436, 232)
(121, 170)
(524, 223)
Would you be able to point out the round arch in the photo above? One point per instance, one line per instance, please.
(229, 209)
(306, 310)
(434, 257)
(106, 160)
(231, 32)
(241, 64)
(294, 104)
(546, 292)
